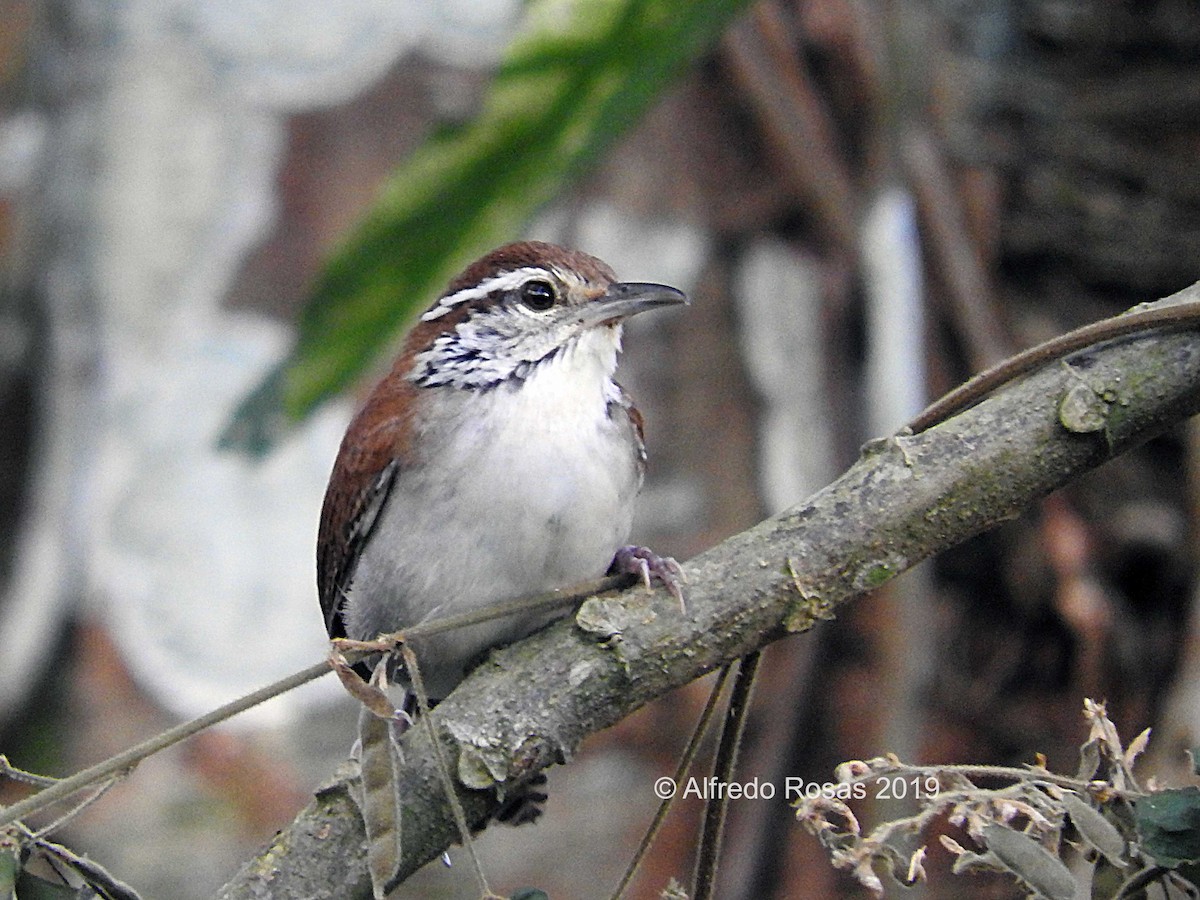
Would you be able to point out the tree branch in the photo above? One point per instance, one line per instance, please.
(907, 498)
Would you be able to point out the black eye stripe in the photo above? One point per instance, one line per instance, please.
(538, 295)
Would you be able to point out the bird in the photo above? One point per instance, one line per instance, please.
(497, 458)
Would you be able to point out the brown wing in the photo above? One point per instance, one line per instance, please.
(347, 518)
(372, 452)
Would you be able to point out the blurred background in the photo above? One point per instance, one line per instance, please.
(867, 201)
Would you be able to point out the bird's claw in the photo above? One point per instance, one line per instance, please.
(648, 566)
(525, 805)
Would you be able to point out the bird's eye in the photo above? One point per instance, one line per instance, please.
(537, 295)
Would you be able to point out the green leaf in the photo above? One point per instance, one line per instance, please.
(576, 78)
(1031, 862)
(1094, 828)
(1169, 825)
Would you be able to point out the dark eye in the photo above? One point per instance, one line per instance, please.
(537, 295)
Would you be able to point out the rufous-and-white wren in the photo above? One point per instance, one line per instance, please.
(497, 459)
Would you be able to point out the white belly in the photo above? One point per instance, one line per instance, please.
(514, 504)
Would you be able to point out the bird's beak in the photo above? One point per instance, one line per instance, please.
(627, 298)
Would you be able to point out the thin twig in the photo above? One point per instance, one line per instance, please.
(81, 805)
(101, 771)
(1025, 775)
(724, 765)
(460, 817)
(1172, 316)
(563, 597)
(11, 772)
(131, 757)
(681, 770)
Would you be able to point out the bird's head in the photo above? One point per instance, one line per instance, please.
(519, 307)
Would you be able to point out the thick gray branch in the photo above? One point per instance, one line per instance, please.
(906, 499)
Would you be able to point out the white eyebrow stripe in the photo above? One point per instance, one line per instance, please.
(504, 281)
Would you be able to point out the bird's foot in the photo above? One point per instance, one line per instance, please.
(649, 566)
(524, 805)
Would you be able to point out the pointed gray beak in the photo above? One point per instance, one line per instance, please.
(627, 298)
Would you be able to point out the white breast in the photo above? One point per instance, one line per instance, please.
(522, 488)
